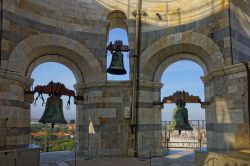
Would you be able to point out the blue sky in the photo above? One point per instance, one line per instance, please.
(182, 75)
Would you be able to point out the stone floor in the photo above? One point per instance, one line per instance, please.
(66, 158)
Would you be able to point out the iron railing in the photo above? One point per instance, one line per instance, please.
(187, 139)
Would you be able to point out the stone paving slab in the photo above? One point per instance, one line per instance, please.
(66, 158)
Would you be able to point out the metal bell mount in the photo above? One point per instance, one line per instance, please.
(117, 65)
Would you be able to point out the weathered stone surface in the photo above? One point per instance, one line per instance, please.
(75, 33)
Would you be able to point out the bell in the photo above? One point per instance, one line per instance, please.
(53, 111)
(117, 67)
(180, 118)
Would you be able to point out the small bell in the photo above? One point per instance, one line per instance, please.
(53, 111)
(180, 118)
(117, 66)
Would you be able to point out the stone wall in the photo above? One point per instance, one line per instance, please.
(227, 115)
(25, 18)
(74, 33)
(101, 122)
(211, 158)
(14, 110)
(85, 21)
(240, 23)
(103, 119)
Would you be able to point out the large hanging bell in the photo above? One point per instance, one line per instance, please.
(116, 66)
(53, 111)
(180, 118)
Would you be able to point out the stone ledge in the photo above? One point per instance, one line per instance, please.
(11, 75)
(225, 71)
(20, 155)
(148, 84)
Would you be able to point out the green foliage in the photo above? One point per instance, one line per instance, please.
(52, 141)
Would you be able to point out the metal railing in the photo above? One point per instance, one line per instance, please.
(187, 139)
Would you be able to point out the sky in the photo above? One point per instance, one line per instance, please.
(182, 75)
(42, 75)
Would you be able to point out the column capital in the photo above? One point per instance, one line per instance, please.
(16, 78)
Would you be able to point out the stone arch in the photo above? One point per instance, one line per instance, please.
(59, 59)
(175, 58)
(195, 46)
(117, 19)
(41, 48)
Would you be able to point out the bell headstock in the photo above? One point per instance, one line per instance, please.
(118, 46)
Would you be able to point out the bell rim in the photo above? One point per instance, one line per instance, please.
(116, 71)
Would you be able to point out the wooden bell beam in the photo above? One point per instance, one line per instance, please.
(54, 89)
(184, 97)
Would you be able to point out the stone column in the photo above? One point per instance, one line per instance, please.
(227, 115)
(102, 125)
(149, 136)
(14, 110)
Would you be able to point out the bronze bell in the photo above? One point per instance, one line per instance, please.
(53, 111)
(180, 118)
(116, 66)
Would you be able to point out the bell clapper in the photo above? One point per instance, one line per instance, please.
(179, 132)
(52, 125)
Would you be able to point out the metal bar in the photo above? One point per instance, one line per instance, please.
(230, 32)
(184, 142)
(150, 156)
(169, 134)
(198, 125)
(248, 98)
(136, 76)
(165, 132)
(1, 30)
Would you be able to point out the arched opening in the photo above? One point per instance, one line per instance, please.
(180, 46)
(118, 34)
(62, 136)
(55, 48)
(117, 30)
(184, 75)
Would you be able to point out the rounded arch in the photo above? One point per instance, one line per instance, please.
(118, 14)
(59, 59)
(181, 46)
(117, 19)
(41, 48)
(175, 58)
